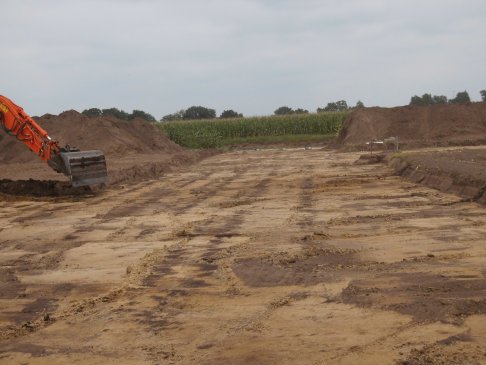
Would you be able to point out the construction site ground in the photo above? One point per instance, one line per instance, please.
(293, 256)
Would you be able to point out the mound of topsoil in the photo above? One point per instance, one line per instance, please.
(115, 137)
(417, 126)
(135, 151)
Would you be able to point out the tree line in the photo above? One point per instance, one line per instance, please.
(335, 106)
(429, 99)
(201, 112)
(120, 114)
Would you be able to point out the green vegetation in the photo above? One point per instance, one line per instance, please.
(285, 110)
(230, 114)
(461, 97)
(337, 106)
(118, 113)
(199, 112)
(217, 133)
(428, 99)
(192, 113)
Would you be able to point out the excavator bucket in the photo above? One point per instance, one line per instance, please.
(85, 167)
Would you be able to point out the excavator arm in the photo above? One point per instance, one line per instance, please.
(82, 167)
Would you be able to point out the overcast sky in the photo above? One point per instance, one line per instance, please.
(248, 55)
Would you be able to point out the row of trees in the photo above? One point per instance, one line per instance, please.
(120, 114)
(285, 110)
(336, 106)
(199, 112)
(340, 106)
(429, 99)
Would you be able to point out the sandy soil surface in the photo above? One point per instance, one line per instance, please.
(263, 257)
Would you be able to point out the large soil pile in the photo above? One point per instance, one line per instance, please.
(135, 151)
(437, 125)
(115, 137)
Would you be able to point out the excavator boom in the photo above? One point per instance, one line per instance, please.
(82, 167)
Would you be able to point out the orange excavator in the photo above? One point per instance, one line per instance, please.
(84, 168)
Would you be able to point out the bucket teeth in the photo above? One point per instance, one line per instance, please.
(85, 167)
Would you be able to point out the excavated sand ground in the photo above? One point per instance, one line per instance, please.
(263, 257)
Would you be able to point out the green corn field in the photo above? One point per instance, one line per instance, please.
(217, 132)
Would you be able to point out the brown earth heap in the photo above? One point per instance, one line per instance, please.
(135, 150)
(115, 137)
(436, 125)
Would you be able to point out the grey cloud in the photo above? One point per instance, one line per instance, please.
(252, 56)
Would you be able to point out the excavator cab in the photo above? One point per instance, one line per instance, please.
(84, 168)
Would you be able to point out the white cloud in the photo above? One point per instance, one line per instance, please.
(252, 56)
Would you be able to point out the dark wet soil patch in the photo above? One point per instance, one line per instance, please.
(10, 286)
(308, 267)
(42, 188)
(425, 297)
(153, 319)
(454, 350)
(158, 271)
(207, 269)
(35, 309)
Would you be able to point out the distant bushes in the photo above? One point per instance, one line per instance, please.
(335, 106)
(199, 112)
(429, 99)
(117, 113)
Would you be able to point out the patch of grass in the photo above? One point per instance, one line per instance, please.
(219, 132)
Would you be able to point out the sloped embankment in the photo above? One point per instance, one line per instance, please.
(461, 172)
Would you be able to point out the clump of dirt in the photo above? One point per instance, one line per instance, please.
(436, 125)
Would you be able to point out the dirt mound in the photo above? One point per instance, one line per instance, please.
(436, 125)
(135, 151)
(115, 137)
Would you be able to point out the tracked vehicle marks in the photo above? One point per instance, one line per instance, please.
(246, 258)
